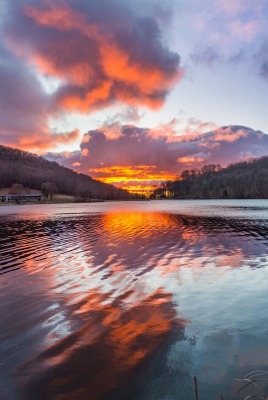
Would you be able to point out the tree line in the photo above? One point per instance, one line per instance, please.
(242, 180)
(35, 172)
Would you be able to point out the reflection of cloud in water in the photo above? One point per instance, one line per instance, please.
(107, 348)
(110, 292)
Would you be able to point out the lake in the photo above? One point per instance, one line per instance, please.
(131, 300)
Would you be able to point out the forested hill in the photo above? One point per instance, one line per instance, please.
(30, 170)
(243, 180)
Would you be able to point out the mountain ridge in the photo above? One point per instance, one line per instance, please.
(242, 180)
(32, 170)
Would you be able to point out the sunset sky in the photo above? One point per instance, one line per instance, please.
(134, 92)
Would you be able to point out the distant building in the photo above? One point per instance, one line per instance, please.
(20, 198)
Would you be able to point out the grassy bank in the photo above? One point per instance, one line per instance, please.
(59, 198)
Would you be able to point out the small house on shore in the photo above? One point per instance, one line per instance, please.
(20, 198)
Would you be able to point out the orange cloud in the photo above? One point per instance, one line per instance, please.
(227, 135)
(44, 141)
(190, 160)
(85, 152)
(98, 59)
(136, 179)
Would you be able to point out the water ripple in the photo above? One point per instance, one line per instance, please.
(105, 305)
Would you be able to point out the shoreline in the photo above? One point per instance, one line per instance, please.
(4, 204)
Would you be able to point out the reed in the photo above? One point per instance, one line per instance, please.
(251, 380)
(196, 388)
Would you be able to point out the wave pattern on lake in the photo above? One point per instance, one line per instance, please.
(124, 301)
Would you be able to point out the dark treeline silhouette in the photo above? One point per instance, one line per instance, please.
(35, 172)
(243, 180)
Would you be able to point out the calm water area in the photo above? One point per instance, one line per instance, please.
(131, 300)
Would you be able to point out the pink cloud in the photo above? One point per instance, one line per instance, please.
(228, 135)
(137, 155)
(232, 7)
(245, 31)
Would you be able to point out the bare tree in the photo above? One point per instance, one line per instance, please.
(49, 189)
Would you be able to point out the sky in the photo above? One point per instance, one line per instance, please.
(132, 93)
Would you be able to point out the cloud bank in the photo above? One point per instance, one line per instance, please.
(132, 157)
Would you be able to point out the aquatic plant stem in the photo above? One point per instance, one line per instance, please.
(196, 389)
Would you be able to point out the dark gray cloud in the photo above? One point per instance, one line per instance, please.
(23, 103)
(208, 56)
(261, 59)
(125, 115)
(24, 107)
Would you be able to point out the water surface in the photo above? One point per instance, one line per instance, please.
(131, 300)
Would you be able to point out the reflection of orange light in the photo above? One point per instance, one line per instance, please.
(113, 344)
(129, 228)
(129, 224)
(137, 179)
